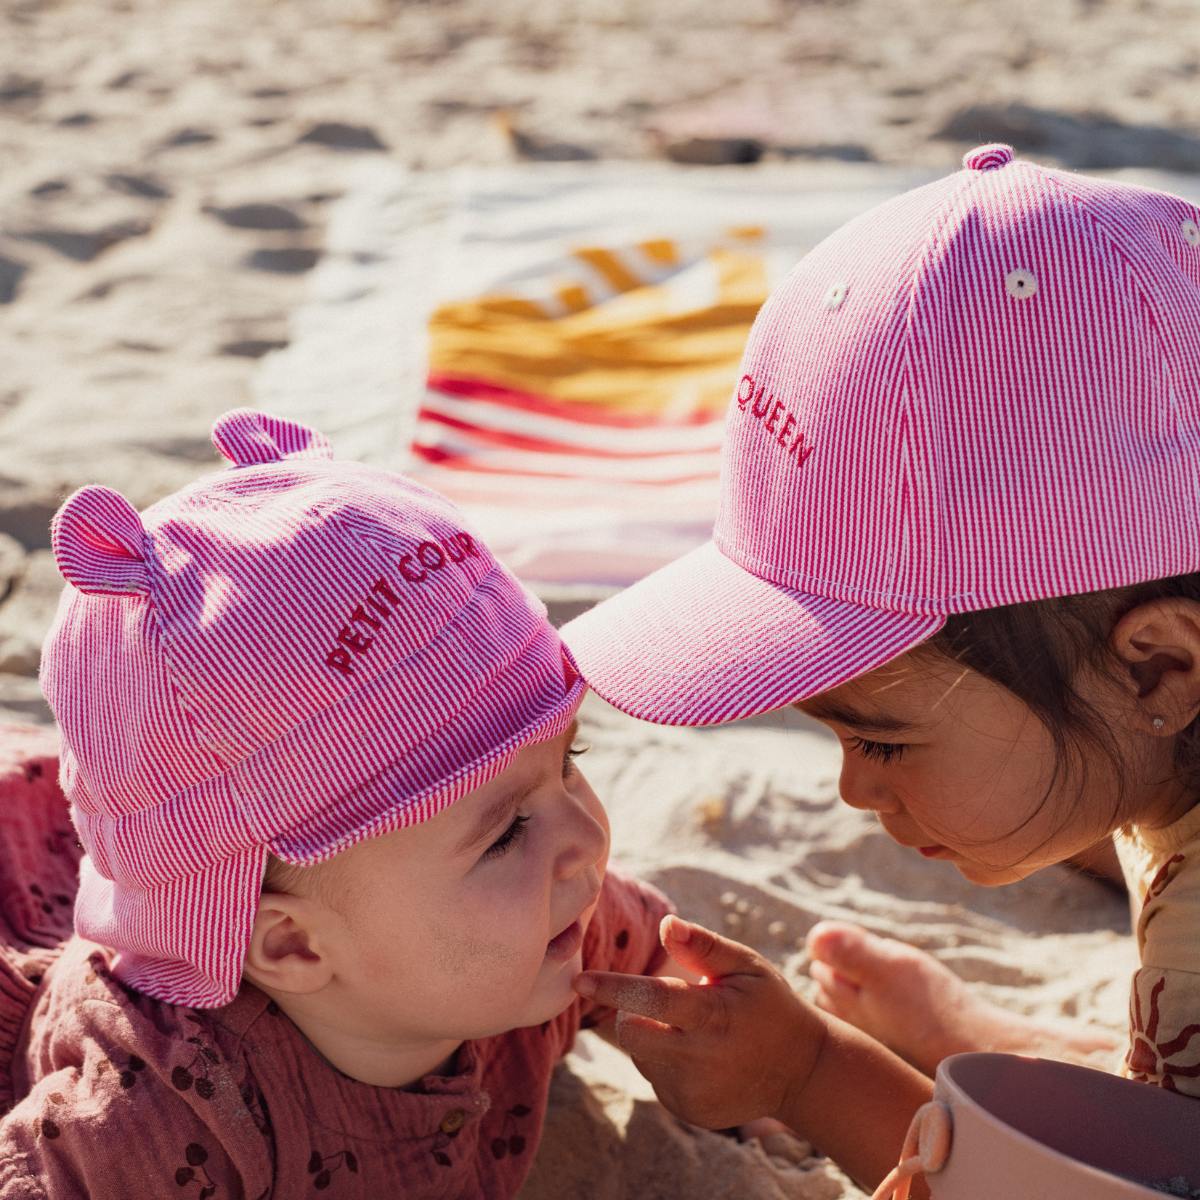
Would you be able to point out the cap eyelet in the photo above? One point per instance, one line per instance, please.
(1020, 283)
(836, 294)
(1190, 232)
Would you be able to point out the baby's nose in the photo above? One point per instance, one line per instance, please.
(588, 846)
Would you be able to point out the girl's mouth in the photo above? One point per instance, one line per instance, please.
(564, 945)
(931, 851)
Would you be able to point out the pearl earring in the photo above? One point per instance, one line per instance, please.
(1158, 722)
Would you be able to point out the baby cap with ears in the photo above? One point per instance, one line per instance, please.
(289, 655)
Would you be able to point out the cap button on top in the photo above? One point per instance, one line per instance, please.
(988, 158)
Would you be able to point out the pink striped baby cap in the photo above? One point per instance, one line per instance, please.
(292, 654)
(981, 392)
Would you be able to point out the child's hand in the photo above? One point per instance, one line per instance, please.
(718, 1053)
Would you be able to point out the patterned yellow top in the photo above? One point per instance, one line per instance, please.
(1162, 871)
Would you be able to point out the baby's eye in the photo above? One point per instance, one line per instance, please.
(883, 752)
(507, 839)
(573, 752)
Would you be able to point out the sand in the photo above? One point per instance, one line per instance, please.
(168, 170)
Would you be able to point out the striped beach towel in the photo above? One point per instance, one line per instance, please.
(589, 395)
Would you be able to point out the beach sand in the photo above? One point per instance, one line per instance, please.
(168, 171)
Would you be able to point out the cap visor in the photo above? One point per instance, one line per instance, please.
(702, 641)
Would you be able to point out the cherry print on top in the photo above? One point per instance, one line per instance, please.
(194, 1172)
(39, 873)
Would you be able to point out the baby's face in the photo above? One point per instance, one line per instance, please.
(471, 923)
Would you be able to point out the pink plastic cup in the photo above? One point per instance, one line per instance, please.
(1007, 1127)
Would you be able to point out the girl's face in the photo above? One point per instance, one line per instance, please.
(958, 768)
(471, 923)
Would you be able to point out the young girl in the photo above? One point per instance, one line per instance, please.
(960, 487)
(340, 867)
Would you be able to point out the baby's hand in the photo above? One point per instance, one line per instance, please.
(721, 1052)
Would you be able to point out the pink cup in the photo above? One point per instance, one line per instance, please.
(1029, 1129)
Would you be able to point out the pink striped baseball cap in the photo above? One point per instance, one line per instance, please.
(981, 392)
(292, 654)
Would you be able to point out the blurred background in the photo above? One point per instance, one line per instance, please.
(212, 203)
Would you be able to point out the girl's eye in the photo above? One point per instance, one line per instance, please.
(507, 839)
(572, 753)
(883, 752)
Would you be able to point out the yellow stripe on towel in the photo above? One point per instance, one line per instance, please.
(667, 347)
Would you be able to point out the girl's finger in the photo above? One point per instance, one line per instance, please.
(707, 953)
(645, 1040)
(661, 998)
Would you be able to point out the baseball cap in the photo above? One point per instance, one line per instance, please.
(981, 392)
(287, 656)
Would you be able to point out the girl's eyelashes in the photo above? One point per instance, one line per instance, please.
(507, 839)
(883, 752)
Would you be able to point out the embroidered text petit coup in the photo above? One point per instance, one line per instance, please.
(415, 568)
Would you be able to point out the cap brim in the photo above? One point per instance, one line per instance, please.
(703, 641)
(528, 702)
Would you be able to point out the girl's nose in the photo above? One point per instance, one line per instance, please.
(863, 789)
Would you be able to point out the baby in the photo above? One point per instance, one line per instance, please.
(340, 866)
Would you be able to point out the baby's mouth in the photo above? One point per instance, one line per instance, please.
(564, 943)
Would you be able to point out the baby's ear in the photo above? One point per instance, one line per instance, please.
(283, 954)
(100, 544)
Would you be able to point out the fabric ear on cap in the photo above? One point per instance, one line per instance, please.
(246, 436)
(100, 544)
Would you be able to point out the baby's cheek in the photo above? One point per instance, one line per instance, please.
(457, 952)
(379, 953)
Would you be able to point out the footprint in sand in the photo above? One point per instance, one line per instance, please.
(11, 274)
(143, 186)
(251, 347)
(286, 261)
(50, 187)
(84, 245)
(339, 136)
(257, 216)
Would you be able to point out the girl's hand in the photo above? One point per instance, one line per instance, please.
(737, 1046)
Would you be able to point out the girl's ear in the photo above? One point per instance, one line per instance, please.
(1159, 645)
(285, 953)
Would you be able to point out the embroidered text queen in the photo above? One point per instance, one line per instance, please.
(754, 400)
